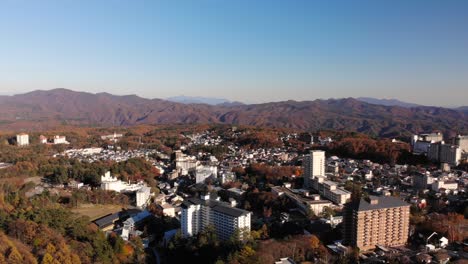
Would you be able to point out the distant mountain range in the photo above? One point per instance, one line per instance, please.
(202, 100)
(387, 102)
(42, 109)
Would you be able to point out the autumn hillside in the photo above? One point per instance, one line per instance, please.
(42, 110)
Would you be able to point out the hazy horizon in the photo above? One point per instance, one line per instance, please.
(245, 51)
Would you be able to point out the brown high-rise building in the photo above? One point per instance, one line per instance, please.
(382, 220)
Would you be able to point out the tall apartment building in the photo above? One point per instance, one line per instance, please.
(197, 214)
(445, 153)
(314, 165)
(382, 220)
(421, 143)
(462, 142)
(22, 139)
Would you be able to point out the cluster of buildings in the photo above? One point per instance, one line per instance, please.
(55, 140)
(436, 149)
(141, 190)
(314, 178)
(439, 182)
(97, 154)
(377, 219)
(22, 139)
(126, 223)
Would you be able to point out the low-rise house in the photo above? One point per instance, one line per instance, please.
(106, 223)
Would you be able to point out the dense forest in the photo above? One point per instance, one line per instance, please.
(41, 230)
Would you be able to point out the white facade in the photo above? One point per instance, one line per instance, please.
(462, 142)
(22, 139)
(142, 191)
(330, 190)
(197, 214)
(204, 172)
(186, 164)
(60, 140)
(143, 196)
(109, 183)
(447, 185)
(422, 142)
(445, 153)
(314, 165)
(112, 137)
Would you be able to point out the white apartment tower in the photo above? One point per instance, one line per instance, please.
(22, 139)
(197, 214)
(314, 165)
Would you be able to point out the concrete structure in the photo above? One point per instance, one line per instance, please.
(204, 172)
(167, 209)
(330, 190)
(75, 185)
(445, 153)
(42, 139)
(304, 203)
(382, 221)
(421, 143)
(109, 183)
(197, 214)
(130, 225)
(444, 184)
(60, 140)
(462, 142)
(143, 196)
(112, 137)
(22, 139)
(106, 223)
(422, 181)
(142, 191)
(185, 164)
(314, 165)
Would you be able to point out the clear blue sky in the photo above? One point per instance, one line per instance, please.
(246, 50)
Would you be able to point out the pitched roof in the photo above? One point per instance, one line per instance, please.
(107, 220)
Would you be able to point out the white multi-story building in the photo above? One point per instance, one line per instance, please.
(314, 165)
(109, 183)
(330, 190)
(22, 139)
(60, 140)
(421, 143)
(112, 137)
(204, 172)
(129, 225)
(143, 196)
(197, 214)
(314, 177)
(444, 184)
(142, 191)
(462, 142)
(185, 163)
(445, 153)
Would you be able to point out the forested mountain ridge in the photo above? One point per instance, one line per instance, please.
(41, 109)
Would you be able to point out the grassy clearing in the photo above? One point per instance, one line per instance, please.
(94, 211)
